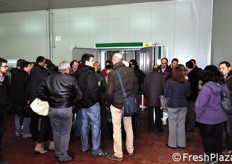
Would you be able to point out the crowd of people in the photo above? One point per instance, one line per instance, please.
(81, 89)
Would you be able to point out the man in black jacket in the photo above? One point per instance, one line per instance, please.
(62, 92)
(19, 84)
(225, 69)
(198, 70)
(154, 84)
(139, 74)
(89, 105)
(37, 75)
(115, 101)
(193, 79)
(5, 102)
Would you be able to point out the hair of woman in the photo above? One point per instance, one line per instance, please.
(211, 73)
(178, 76)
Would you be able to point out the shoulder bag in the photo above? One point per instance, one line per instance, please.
(130, 104)
(226, 102)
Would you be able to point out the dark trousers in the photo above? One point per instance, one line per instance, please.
(61, 121)
(190, 117)
(158, 116)
(45, 131)
(212, 138)
(34, 126)
(3, 119)
(78, 123)
(104, 129)
(229, 133)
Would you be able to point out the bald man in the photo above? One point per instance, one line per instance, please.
(115, 101)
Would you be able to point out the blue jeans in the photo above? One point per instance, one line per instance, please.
(91, 118)
(22, 126)
(229, 133)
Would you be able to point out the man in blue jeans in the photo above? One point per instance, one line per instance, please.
(91, 117)
(5, 101)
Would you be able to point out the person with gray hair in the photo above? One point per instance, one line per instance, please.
(115, 102)
(62, 92)
(63, 66)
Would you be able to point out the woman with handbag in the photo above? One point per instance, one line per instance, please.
(209, 111)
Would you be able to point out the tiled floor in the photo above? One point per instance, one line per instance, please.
(149, 148)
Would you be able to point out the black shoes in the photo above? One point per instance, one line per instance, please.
(170, 147)
(113, 158)
(151, 130)
(190, 130)
(158, 130)
(67, 159)
(131, 154)
(101, 154)
(85, 151)
(174, 147)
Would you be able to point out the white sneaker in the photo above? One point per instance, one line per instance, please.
(27, 135)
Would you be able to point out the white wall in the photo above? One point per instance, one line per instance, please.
(23, 35)
(222, 32)
(184, 27)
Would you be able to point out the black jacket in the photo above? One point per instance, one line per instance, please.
(37, 75)
(193, 79)
(167, 72)
(102, 87)
(88, 83)
(5, 92)
(154, 84)
(19, 85)
(199, 72)
(60, 90)
(140, 76)
(114, 91)
(229, 82)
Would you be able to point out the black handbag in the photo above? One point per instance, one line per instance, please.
(130, 103)
(226, 102)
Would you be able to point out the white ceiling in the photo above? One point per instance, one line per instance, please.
(31, 5)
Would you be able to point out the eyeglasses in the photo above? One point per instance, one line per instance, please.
(4, 66)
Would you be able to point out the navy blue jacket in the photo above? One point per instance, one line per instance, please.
(177, 93)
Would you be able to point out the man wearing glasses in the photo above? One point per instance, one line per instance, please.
(5, 100)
